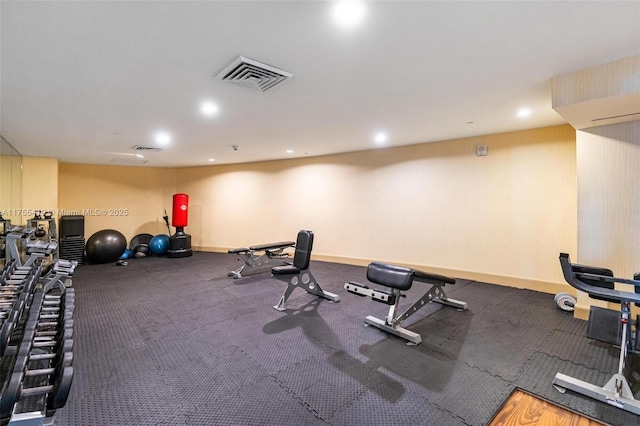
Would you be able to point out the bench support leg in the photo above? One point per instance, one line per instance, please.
(306, 281)
(435, 294)
(408, 335)
(236, 273)
(393, 321)
(254, 264)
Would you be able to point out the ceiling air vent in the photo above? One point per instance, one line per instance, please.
(146, 148)
(624, 117)
(253, 74)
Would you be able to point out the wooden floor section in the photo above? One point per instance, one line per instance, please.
(525, 409)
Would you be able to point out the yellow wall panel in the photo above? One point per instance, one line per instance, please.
(39, 186)
(129, 199)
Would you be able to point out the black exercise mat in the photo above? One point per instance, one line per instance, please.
(177, 342)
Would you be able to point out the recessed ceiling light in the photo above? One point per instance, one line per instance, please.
(349, 13)
(524, 112)
(208, 108)
(380, 138)
(162, 138)
(211, 160)
(289, 151)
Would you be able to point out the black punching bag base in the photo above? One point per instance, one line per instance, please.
(180, 245)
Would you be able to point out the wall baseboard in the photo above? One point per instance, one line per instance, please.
(507, 281)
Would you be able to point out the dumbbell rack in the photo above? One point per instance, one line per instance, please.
(36, 342)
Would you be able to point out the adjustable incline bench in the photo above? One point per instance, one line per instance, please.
(254, 262)
(399, 279)
(599, 283)
(298, 274)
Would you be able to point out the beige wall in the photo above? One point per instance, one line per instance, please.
(608, 201)
(39, 185)
(502, 218)
(36, 180)
(129, 199)
(11, 185)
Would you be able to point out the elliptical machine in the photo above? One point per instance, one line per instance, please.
(180, 242)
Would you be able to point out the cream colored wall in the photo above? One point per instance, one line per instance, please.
(129, 199)
(6, 181)
(11, 185)
(39, 185)
(502, 218)
(608, 201)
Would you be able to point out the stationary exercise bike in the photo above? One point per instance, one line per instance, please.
(599, 284)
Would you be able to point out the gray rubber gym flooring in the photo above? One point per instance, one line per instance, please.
(176, 342)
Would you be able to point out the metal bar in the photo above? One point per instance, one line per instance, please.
(410, 336)
(562, 382)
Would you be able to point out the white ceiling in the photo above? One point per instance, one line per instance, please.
(84, 81)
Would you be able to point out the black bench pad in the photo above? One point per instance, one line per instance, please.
(432, 278)
(390, 275)
(271, 246)
(285, 270)
(402, 278)
(239, 250)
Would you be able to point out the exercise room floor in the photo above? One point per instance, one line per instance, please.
(176, 342)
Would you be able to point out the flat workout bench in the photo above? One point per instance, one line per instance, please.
(399, 279)
(272, 255)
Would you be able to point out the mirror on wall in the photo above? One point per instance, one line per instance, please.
(10, 183)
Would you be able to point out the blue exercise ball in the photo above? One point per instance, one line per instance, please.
(105, 246)
(128, 254)
(159, 244)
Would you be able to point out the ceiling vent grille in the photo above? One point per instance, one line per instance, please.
(253, 74)
(146, 148)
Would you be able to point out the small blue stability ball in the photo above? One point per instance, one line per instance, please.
(128, 254)
(159, 244)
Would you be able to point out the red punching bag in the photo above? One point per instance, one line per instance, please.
(180, 243)
(180, 210)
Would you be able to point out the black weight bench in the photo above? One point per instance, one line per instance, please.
(258, 258)
(400, 279)
(298, 274)
(599, 283)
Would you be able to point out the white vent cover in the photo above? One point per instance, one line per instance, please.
(253, 74)
(146, 148)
